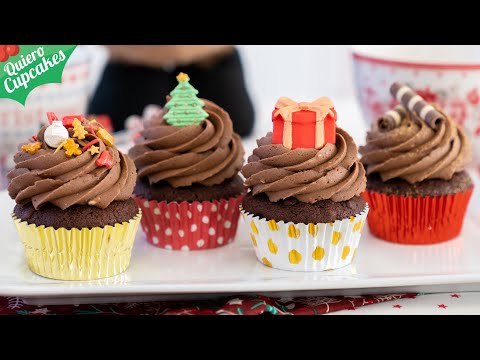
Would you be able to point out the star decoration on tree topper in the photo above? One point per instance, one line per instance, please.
(184, 108)
(182, 77)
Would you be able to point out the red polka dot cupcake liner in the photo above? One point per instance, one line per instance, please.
(416, 220)
(190, 226)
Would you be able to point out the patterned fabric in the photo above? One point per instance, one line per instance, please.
(240, 305)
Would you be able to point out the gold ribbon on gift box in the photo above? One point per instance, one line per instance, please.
(286, 107)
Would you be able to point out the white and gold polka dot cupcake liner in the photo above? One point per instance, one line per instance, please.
(78, 254)
(305, 247)
(190, 226)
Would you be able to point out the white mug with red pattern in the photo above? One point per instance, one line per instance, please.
(446, 74)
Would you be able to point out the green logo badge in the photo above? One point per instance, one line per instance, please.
(24, 67)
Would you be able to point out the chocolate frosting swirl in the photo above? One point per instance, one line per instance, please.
(52, 177)
(414, 151)
(309, 175)
(206, 154)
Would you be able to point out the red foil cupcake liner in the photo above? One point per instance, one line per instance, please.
(416, 220)
(190, 226)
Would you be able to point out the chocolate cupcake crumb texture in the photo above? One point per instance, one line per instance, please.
(163, 191)
(459, 182)
(292, 210)
(78, 216)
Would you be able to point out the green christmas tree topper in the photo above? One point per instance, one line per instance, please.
(185, 108)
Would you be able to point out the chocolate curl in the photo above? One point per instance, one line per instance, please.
(392, 118)
(415, 103)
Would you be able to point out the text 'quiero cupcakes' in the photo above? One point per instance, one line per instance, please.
(304, 211)
(188, 158)
(415, 157)
(74, 212)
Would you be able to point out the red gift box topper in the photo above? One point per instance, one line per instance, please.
(304, 124)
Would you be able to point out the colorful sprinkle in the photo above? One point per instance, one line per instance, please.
(93, 150)
(105, 136)
(105, 159)
(32, 148)
(71, 148)
(69, 119)
(93, 142)
(78, 130)
(51, 117)
(60, 146)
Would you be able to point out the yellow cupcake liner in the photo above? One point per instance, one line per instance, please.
(305, 247)
(78, 254)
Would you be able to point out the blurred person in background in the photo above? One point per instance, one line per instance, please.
(138, 75)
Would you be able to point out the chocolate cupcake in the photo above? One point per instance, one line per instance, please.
(188, 158)
(75, 214)
(304, 207)
(417, 188)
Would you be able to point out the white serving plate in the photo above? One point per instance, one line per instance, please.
(380, 267)
(156, 274)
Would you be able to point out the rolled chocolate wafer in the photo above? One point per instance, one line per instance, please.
(392, 118)
(414, 102)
